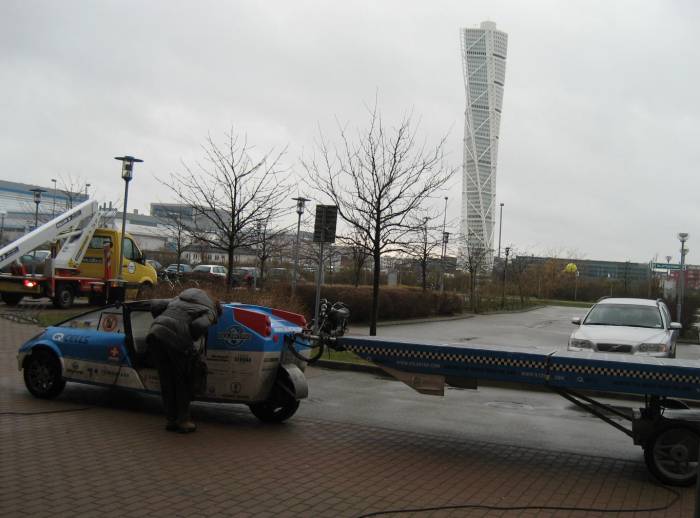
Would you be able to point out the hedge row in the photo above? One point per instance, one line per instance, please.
(394, 303)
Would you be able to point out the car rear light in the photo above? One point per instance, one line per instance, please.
(29, 284)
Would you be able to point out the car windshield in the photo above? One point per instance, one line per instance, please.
(201, 268)
(624, 315)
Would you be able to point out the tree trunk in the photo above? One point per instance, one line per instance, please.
(229, 274)
(262, 273)
(375, 294)
(424, 268)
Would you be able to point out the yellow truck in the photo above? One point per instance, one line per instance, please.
(84, 261)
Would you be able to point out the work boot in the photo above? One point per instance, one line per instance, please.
(186, 427)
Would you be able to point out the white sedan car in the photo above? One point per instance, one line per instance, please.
(628, 326)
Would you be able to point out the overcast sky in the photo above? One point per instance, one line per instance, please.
(599, 131)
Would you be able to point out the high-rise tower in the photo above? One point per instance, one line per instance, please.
(484, 62)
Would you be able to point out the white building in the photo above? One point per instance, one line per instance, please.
(484, 65)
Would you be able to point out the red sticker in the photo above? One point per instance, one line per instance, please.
(113, 353)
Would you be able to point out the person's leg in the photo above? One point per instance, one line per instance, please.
(183, 391)
(167, 383)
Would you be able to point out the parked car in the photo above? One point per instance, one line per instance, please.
(213, 269)
(108, 347)
(627, 326)
(244, 276)
(178, 268)
(156, 265)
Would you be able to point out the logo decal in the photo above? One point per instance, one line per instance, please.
(70, 339)
(58, 337)
(113, 353)
(109, 322)
(234, 336)
(131, 268)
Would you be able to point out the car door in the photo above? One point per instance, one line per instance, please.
(94, 349)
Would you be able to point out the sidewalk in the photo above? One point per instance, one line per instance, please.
(114, 459)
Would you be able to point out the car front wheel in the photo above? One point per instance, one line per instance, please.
(42, 374)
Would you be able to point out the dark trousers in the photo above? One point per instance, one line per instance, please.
(175, 372)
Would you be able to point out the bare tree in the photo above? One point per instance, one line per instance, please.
(72, 188)
(270, 242)
(379, 178)
(474, 259)
(360, 252)
(176, 229)
(422, 245)
(230, 192)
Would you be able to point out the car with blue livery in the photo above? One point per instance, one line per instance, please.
(254, 356)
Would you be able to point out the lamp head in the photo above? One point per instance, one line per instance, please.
(127, 166)
(301, 203)
(683, 237)
(37, 195)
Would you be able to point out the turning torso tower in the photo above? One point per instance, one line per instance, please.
(484, 64)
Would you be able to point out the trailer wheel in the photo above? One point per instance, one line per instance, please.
(63, 298)
(671, 454)
(42, 374)
(11, 299)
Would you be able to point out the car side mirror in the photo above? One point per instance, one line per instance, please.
(576, 320)
(676, 326)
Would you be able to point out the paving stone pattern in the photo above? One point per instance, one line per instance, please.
(115, 459)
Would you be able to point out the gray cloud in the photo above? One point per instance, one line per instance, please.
(600, 117)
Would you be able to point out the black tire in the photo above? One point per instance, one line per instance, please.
(63, 297)
(97, 299)
(42, 374)
(12, 299)
(671, 455)
(281, 404)
(273, 412)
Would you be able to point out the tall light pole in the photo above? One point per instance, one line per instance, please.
(127, 173)
(505, 268)
(53, 208)
(500, 228)
(3, 213)
(682, 237)
(445, 236)
(87, 185)
(301, 203)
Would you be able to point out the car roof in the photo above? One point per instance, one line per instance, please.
(207, 265)
(629, 301)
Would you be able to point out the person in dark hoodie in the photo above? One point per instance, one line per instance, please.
(178, 324)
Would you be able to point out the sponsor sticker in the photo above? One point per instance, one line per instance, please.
(70, 339)
(234, 336)
(109, 322)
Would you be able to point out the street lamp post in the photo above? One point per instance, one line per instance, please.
(3, 213)
(127, 173)
(37, 200)
(505, 268)
(500, 227)
(445, 240)
(87, 185)
(301, 203)
(445, 236)
(682, 237)
(53, 208)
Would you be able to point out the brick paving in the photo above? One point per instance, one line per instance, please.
(115, 459)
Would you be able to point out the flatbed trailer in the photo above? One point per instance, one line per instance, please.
(665, 427)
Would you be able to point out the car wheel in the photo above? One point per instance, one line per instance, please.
(273, 412)
(671, 454)
(42, 374)
(63, 298)
(11, 299)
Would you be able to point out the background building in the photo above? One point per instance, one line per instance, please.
(484, 65)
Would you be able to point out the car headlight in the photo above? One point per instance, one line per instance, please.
(653, 348)
(583, 344)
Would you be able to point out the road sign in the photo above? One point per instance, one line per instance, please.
(666, 266)
(324, 227)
